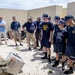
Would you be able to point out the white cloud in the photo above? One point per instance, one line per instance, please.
(31, 4)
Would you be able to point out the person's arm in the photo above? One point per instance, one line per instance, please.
(35, 27)
(11, 27)
(50, 39)
(19, 27)
(3, 24)
(24, 27)
(51, 33)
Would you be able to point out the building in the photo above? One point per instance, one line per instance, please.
(22, 15)
(71, 9)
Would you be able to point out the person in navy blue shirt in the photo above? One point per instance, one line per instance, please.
(30, 31)
(46, 27)
(38, 31)
(55, 28)
(15, 26)
(60, 44)
(70, 47)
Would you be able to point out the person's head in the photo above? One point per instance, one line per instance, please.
(49, 18)
(30, 19)
(1, 18)
(45, 17)
(56, 19)
(14, 18)
(61, 24)
(39, 19)
(69, 19)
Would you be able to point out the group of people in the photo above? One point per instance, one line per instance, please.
(60, 33)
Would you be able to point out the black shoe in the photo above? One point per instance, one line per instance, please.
(70, 71)
(63, 68)
(40, 49)
(29, 48)
(44, 57)
(16, 45)
(34, 48)
(56, 63)
(53, 59)
(21, 44)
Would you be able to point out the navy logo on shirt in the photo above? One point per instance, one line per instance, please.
(45, 27)
(59, 36)
(32, 24)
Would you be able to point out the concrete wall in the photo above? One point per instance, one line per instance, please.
(59, 11)
(22, 15)
(64, 12)
(7, 14)
(51, 10)
(71, 9)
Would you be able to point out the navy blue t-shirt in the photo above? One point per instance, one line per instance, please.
(71, 36)
(30, 26)
(15, 25)
(55, 28)
(38, 26)
(46, 28)
(61, 36)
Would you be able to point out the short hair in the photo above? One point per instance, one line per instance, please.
(1, 17)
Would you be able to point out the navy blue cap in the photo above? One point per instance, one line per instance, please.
(68, 17)
(61, 22)
(45, 16)
(56, 18)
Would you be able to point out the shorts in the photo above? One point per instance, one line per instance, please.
(45, 42)
(31, 37)
(70, 51)
(59, 48)
(4, 35)
(16, 34)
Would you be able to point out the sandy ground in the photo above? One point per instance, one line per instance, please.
(33, 63)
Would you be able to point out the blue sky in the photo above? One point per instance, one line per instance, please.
(31, 4)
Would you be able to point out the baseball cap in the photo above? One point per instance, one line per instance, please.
(45, 16)
(68, 17)
(60, 22)
(56, 18)
(30, 17)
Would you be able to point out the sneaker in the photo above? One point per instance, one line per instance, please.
(68, 71)
(21, 44)
(44, 57)
(63, 68)
(16, 45)
(40, 49)
(29, 48)
(34, 48)
(56, 63)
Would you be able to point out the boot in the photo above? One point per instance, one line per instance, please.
(56, 63)
(45, 57)
(49, 59)
(70, 71)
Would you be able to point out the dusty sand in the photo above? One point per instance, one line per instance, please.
(33, 63)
